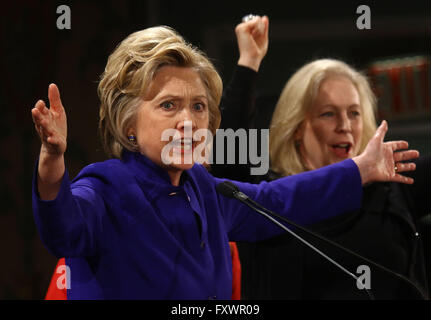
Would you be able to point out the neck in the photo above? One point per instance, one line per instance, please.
(175, 177)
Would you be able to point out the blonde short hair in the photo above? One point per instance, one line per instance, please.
(129, 72)
(297, 96)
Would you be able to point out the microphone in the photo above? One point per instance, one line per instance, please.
(230, 190)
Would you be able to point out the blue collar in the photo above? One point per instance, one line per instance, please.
(151, 176)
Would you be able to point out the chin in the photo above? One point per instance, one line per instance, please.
(182, 163)
(183, 167)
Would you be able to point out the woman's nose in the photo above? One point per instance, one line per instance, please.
(344, 124)
(185, 120)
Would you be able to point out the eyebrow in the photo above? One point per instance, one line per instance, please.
(333, 106)
(177, 97)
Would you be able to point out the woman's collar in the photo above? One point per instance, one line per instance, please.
(148, 170)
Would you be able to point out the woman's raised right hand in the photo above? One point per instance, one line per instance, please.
(51, 124)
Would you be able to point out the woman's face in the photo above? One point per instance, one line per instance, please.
(176, 101)
(332, 129)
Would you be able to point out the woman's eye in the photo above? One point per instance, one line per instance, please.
(167, 105)
(327, 114)
(355, 113)
(199, 107)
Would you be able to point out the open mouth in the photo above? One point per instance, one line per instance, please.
(342, 149)
(183, 145)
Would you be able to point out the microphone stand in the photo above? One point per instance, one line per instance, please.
(270, 214)
(251, 205)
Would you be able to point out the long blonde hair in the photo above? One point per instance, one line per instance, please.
(129, 72)
(297, 96)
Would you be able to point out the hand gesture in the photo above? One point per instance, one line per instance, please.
(381, 161)
(252, 38)
(51, 124)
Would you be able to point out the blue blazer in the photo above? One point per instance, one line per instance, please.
(128, 233)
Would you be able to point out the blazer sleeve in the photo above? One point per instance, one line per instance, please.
(304, 198)
(69, 225)
(238, 110)
(237, 105)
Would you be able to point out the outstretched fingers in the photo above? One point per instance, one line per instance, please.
(51, 123)
(399, 157)
(402, 179)
(381, 131)
(403, 155)
(54, 98)
(406, 155)
(404, 167)
(40, 107)
(40, 115)
(397, 145)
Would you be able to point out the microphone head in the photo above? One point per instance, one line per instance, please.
(228, 189)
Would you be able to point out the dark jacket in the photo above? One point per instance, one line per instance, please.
(383, 231)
